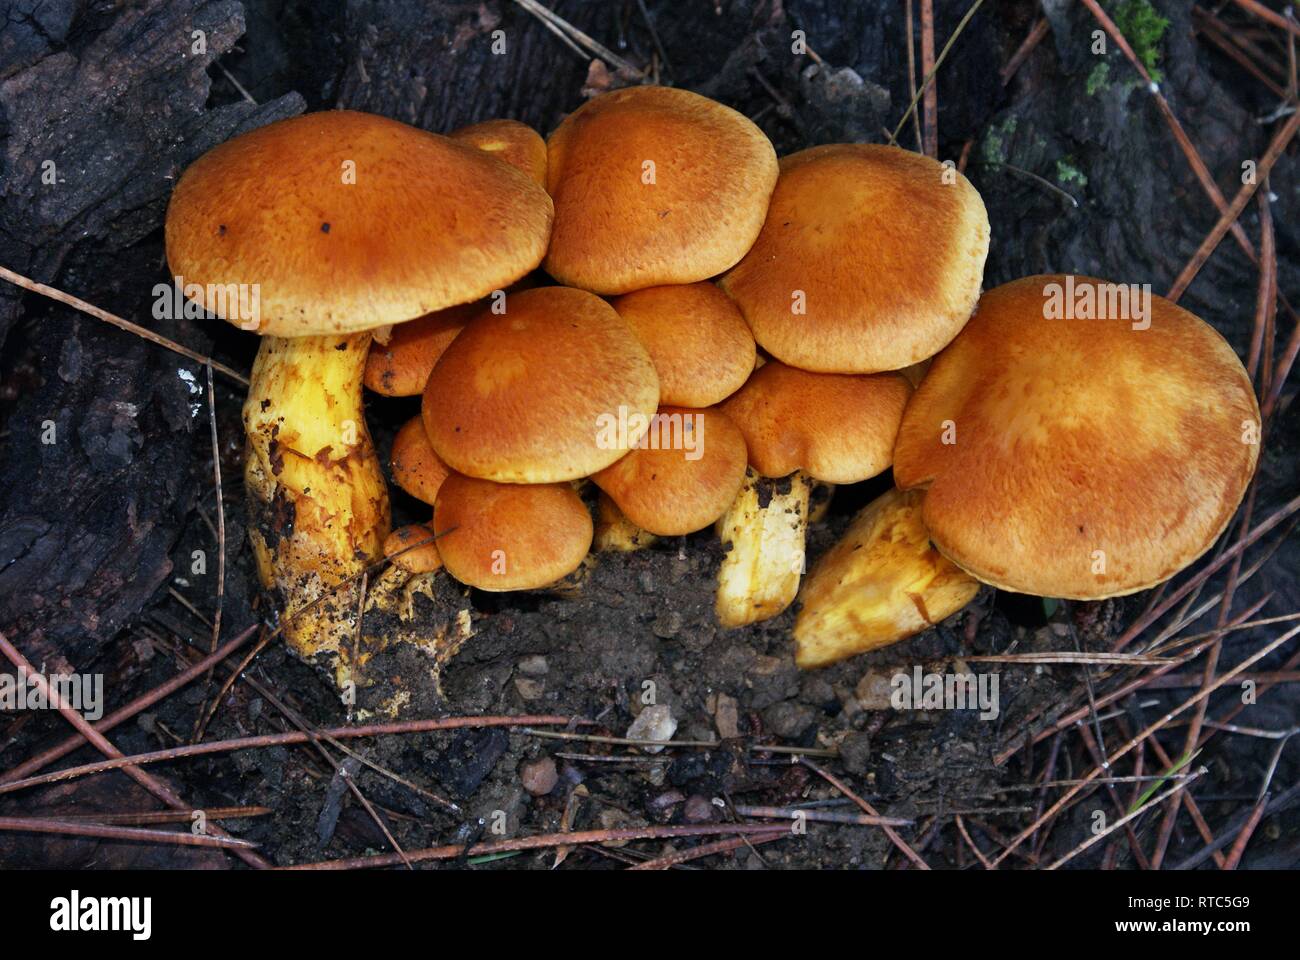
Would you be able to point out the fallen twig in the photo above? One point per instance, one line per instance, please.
(179, 838)
(541, 842)
(17, 279)
(280, 739)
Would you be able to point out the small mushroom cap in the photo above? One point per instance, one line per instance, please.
(1079, 458)
(417, 468)
(401, 367)
(654, 185)
(520, 397)
(423, 558)
(685, 477)
(871, 259)
(700, 344)
(839, 428)
(882, 582)
(347, 221)
(500, 536)
(510, 141)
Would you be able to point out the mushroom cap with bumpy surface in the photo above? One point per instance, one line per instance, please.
(519, 397)
(871, 259)
(654, 185)
(700, 344)
(686, 476)
(835, 427)
(501, 536)
(347, 221)
(1079, 458)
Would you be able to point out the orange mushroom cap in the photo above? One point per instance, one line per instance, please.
(417, 468)
(871, 259)
(401, 367)
(684, 478)
(700, 344)
(835, 427)
(654, 185)
(519, 397)
(500, 536)
(510, 141)
(1071, 457)
(423, 558)
(345, 221)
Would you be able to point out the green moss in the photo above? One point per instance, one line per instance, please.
(1143, 27)
(1067, 172)
(993, 149)
(1098, 77)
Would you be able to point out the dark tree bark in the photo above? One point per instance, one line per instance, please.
(100, 107)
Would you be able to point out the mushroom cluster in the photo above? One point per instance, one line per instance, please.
(646, 326)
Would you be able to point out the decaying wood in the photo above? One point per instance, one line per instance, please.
(100, 111)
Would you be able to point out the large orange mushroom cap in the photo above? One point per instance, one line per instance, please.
(839, 428)
(520, 397)
(347, 221)
(684, 481)
(500, 536)
(871, 259)
(700, 344)
(654, 185)
(1080, 458)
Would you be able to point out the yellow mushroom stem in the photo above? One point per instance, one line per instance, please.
(881, 583)
(615, 532)
(763, 531)
(316, 492)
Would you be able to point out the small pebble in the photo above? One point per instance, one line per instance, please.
(788, 719)
(727, 717)
(664, 802)
(534, 666)
(529, 689)
(654, 723)
(875, 690)
(539, 776)
(698, 809)
(667, 626)
(614, 819)
(855, 753)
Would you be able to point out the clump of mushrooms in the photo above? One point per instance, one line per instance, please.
(772, 329)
